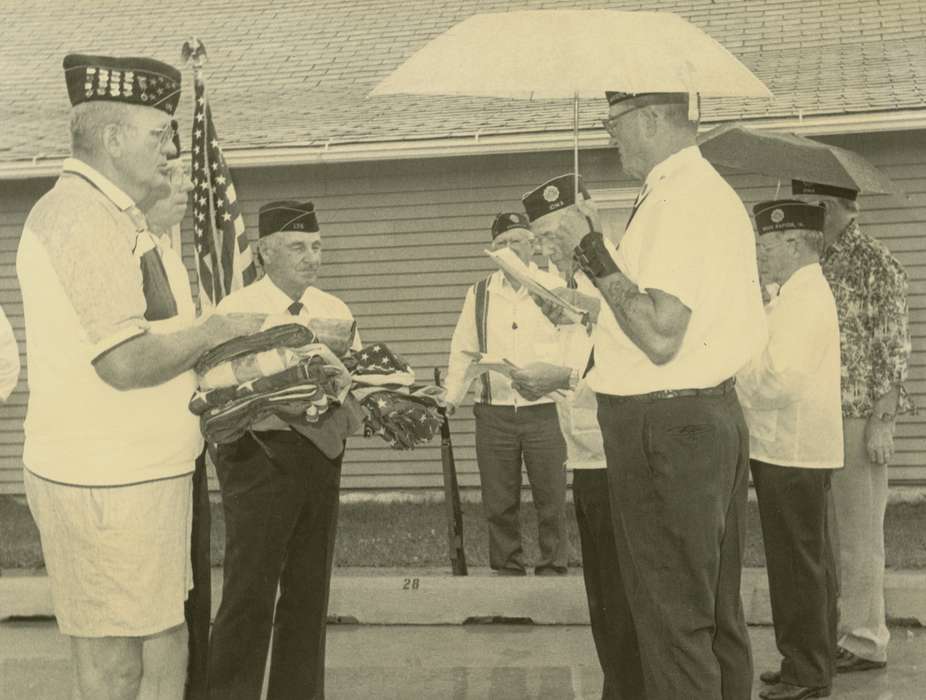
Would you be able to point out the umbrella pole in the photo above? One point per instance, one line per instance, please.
(575, 143)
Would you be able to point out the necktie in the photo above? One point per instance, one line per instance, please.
(644, 191)
(295, 308)
(159, 298)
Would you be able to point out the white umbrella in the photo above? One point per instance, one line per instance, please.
(572, 54)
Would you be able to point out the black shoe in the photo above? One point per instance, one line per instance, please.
(847, 662)
(770, 677)
(551, 571)
(786, 691)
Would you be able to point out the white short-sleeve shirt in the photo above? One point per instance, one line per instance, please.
(690, 237)
(82, 296)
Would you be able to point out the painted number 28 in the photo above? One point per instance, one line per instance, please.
(410, 584)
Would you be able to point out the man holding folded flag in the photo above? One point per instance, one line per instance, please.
(280, 497)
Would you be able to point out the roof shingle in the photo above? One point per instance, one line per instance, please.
(287, 73)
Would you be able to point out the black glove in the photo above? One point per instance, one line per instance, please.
(593, 257)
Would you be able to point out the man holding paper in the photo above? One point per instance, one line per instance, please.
(500, 322)
(681, 314)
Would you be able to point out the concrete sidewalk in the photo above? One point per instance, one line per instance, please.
(434, 597)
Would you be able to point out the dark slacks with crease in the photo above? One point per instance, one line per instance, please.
(801, 569)
(505, 436)
(677, 474)
(198, 607)
(281, 506)
(608, 609)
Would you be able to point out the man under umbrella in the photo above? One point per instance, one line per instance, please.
(790, 395)
(682, 314)
(870, 288)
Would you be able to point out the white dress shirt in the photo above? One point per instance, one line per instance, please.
(516, 330)
(578, 408)
(790, 391)
(690, 237)
(9, 358)
(264, 297)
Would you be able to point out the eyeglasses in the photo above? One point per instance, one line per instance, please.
(508, 242)
(610, 124)
(164, 135)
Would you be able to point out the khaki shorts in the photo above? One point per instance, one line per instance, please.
(118, 558)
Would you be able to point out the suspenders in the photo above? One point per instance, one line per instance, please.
(482, 318)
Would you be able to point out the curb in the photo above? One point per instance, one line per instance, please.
(434, 597)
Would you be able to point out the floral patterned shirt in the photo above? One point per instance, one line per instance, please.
(870, 289)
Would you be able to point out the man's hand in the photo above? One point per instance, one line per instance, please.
(222, 327)
(879, 440)
(539, 379)
(557, 314)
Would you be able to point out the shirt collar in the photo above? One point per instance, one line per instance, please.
(276, 296)
(672, 164)
(846, 241)
(100, 181)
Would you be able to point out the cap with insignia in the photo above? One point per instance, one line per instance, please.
(507, 221)
(804, 187)
(787, 215)
(552, 195)
(286, 216)
(132, 80)
(630, 101)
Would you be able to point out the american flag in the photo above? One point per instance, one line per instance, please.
(223, 254)
(378, 365)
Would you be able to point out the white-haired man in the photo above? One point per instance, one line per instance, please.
(109, 443)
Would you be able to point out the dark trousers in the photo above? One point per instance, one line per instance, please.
(505, 436)
(677, 474)
(280, 498)
(608, 609)
(198, 607)
(801, 569)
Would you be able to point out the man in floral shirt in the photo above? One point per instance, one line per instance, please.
(870, 289)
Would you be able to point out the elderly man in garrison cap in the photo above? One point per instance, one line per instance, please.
(280, 497)
(163, 216)
(109, 444)
(500, 319)
(608, 609)
(870, 288)
(682, 314)
(791, 398)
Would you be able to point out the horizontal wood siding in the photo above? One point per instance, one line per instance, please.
(404, 239)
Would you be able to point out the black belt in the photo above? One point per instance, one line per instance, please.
(721, 389)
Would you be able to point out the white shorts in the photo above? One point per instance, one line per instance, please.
(118, 558)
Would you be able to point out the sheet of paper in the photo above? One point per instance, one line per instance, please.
(485, 363)
(491, 363)
(511, 263)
